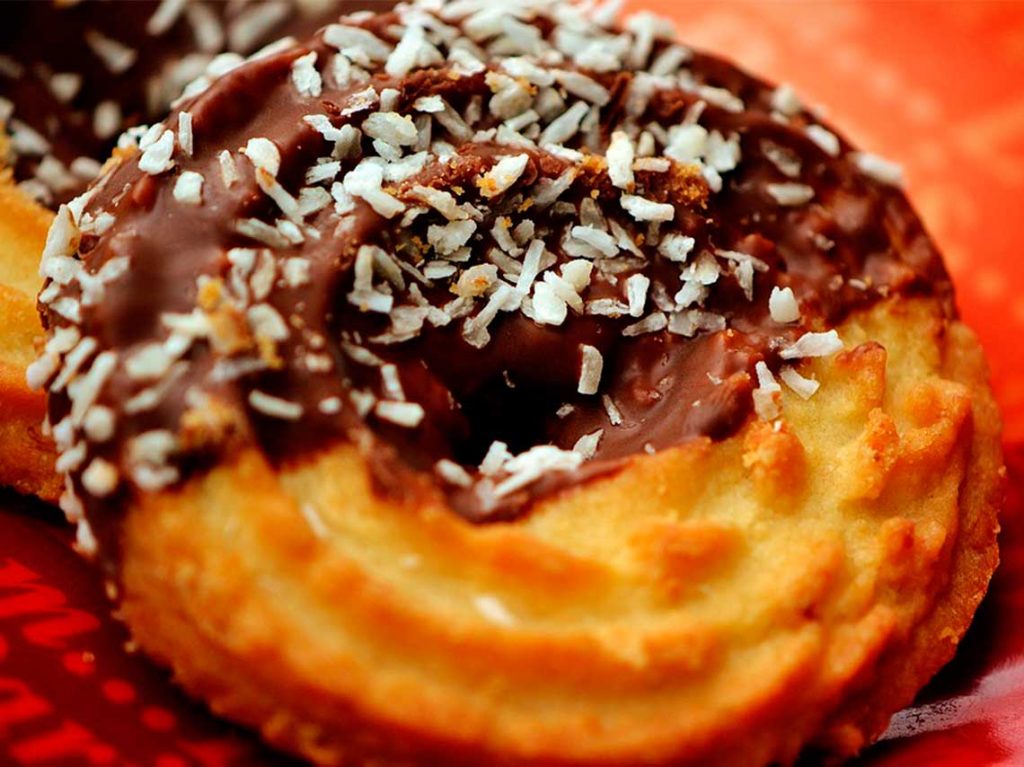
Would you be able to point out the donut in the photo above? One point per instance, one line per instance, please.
(63, 107)
(473, 384)
(26, 461)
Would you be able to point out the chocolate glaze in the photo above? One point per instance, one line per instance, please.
(47, 37)
(859, 240)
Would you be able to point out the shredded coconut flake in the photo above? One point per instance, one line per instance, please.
(117, 57)
(41, 370)
(185, 136)
(448, 238)
(453, 473)
(391, 128)
(412, 51)
(228, 171)
(188, 189)
(306, 77)
(441, 201)
(429, 104)
(804, 387)
(813, 345)
(366, 182)
(591, 366)
(621, 154)
(587, 445)
(358, 40)
(878, 168)
(526, 468)
(165, 16)
(107, 119)
(581, 86)
(407, 414)
(85, 540)
(766, 395)
(296, 272)
(783, 306)
(786, 101)
(264, 154)
(652, 323)
(549, 308)
(790, 194)
(636, 293)
(646, 210)
(676, 247)
(100, 478)
(502, 175)
(566, 125)
(600, 241)
(330, 405)
(156, 158)
(99, 423)
(826, 140)
(611, 410)
(274, 407)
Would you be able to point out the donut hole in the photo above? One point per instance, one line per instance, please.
(521, 389)
(522, 416)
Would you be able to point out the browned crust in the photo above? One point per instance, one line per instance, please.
(27, 457)
(196, 605)
(865, 715)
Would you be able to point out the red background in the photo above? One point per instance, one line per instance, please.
(938, 86)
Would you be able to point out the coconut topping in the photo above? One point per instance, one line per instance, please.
(503, 249)
(63, 101)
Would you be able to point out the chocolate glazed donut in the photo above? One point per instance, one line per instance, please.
(447, 348)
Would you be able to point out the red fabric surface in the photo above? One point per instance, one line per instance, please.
(938, 86)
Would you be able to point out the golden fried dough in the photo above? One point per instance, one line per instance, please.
(26, 461)
(712, 604)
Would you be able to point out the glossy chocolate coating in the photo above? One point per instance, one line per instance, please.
(858, 241)
(45, 38)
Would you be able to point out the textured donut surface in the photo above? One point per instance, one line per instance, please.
(26, 461)
(721, 604)
(472, 385)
